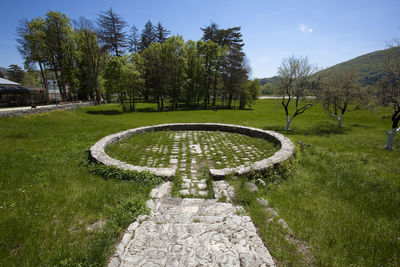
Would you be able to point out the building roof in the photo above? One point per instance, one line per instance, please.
(7, 82)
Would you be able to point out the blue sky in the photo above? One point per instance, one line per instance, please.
(328, 32)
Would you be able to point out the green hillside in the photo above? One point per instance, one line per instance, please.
(369, 67)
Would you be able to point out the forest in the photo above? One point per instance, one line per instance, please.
(102, 60)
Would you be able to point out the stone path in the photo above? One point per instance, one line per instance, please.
(191, 232)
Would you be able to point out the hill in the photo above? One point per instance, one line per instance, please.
(369, 67)
(273, 80)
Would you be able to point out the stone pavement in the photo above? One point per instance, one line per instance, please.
(191, 232)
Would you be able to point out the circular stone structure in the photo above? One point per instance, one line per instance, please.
(97, 151)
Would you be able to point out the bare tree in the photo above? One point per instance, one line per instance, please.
(339, 90)
(391, 87)
(294, 84)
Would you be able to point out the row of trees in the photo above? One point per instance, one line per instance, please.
(337, 92)
(203, 73)
(101, 60)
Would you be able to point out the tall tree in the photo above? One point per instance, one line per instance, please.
(58, 38)
(210, 53)
(111, 32)
(173, 68)
(337, 92)
(32, 46)
(15, 73)
(161, 33)
(134, 42)
(231, 64)
(154, 70)
(148, 36)
(194, 72)
(294, 83)
(391, 89)
(90, 57)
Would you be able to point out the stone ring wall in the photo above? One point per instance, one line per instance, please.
(98, 153)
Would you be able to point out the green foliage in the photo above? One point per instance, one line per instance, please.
(249, 93)
(111, 172)
(31, 79)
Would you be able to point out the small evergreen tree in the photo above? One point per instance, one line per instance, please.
(148, 36)
(134, 42)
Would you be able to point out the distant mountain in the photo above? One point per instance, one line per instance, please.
(272, 80)
(369, 67)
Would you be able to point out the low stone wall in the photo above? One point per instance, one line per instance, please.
(97, 151)
(41, 109)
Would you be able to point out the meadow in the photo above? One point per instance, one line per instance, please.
(340, 195)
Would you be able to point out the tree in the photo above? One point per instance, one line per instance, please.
(134, 42)
(1, 74)
(148, 36)
(391, 89)
(231, 63)
(250, 90)
(31, 79)
(111, 32)
(15, 73)
(194, 72)
(90, 57)
(173, 63)
(132, 82)
(32, 46)
(161, 33)
(338, 92)
(294, 83)
(153, 70)
(210, 53)
(59, 48)
(268, 89)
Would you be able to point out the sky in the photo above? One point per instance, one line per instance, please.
(328, 32)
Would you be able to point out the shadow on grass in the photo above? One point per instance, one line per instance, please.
(318, 130)
(104, 112)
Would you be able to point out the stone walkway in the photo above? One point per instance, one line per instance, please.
(192, 232)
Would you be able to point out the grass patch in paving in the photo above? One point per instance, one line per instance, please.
(139, 148)
(342, 196)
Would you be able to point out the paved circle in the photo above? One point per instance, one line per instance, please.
(285, 152)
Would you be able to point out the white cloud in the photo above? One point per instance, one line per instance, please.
(305, 28)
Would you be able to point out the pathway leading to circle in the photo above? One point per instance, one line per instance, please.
(191, 232)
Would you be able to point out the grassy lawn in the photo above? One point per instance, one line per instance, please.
(341, 195)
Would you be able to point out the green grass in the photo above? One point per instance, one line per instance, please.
(342, 195)
(139, 148)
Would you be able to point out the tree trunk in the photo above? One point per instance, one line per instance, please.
(340, 120)
(390, 138)
(44, 79)
(288, 121)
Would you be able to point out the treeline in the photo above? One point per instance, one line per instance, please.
(101, 60)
